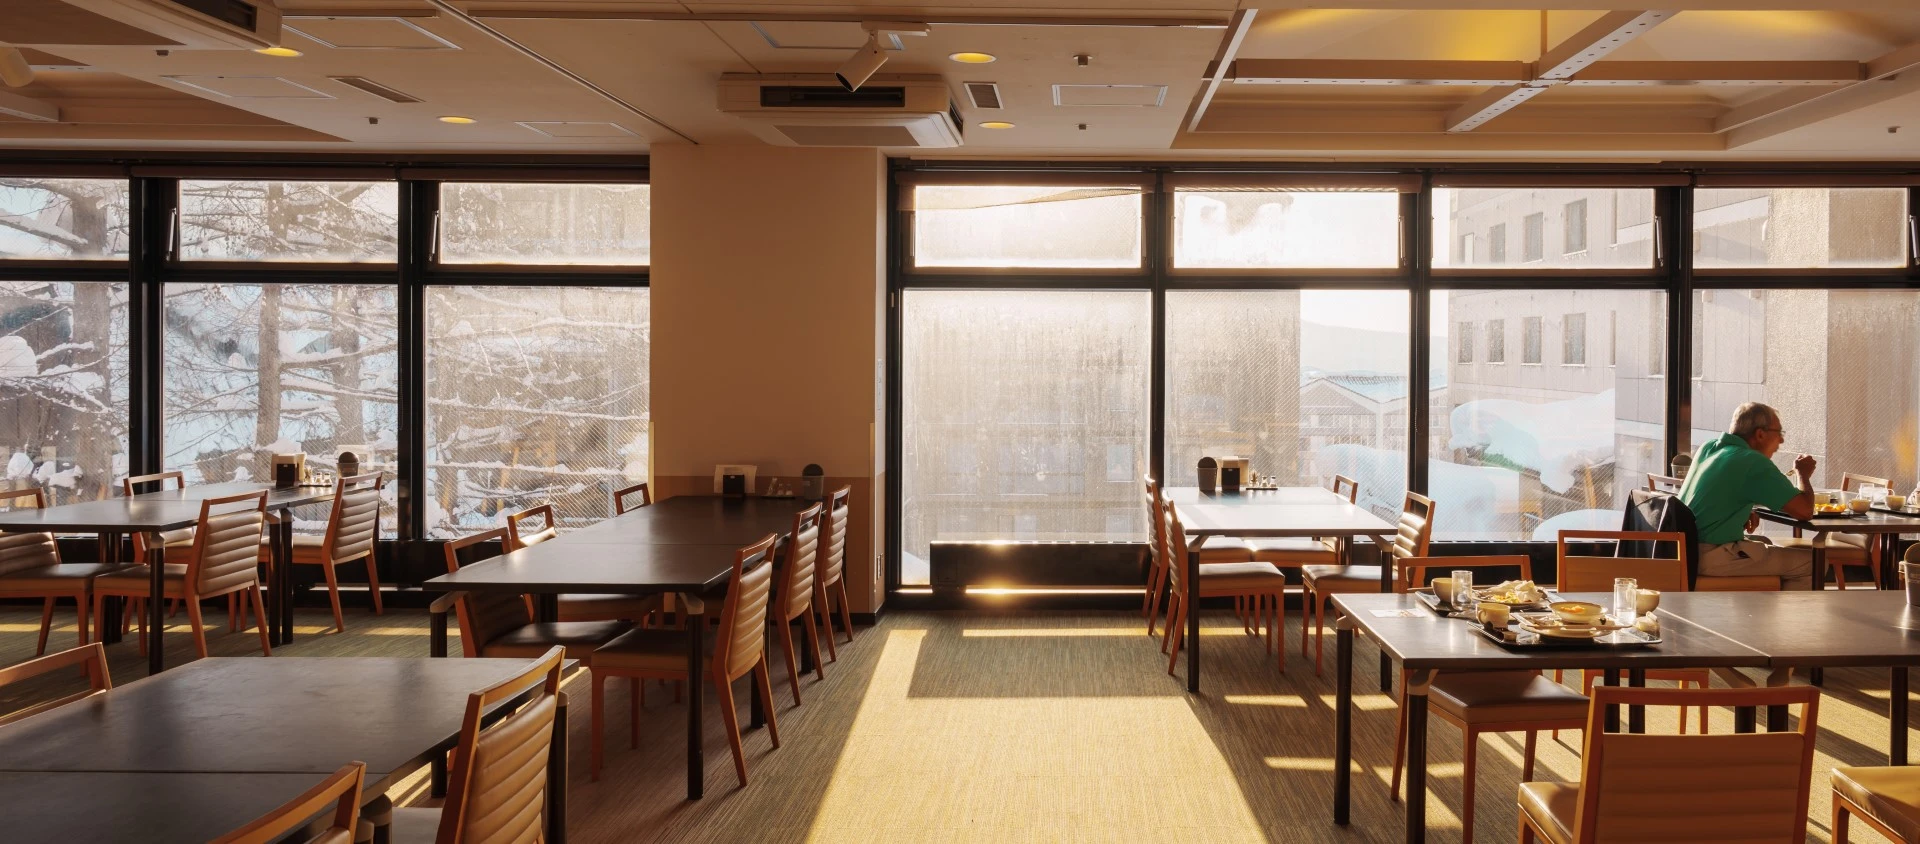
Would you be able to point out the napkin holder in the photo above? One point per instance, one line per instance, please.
(1209, 475)
(288, 469)
(733, 480)
(1233, 473)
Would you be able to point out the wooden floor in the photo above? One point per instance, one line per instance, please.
(1034, 726)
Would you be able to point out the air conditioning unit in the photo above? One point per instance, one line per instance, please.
(814, 111)
(195, 24)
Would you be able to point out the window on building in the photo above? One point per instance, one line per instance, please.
(1613, 338)
(1496, 341)
(1519, 453)
(1497, 244)
(1534, 240)
(1573, 340)
(535, 223)
(1061, 227)
(1576, 222)
(1530, 331)
(1466, 258)
(63, 219)
(304, 222)
(1465, 353)
(63, 382)
(1656, 340)
(1810, 228)
(1256, 229)
(1021, 377)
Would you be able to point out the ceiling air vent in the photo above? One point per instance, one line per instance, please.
(375, 88)
(798, 110)
(983, 94)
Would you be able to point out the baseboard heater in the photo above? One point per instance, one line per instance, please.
(1065, 566)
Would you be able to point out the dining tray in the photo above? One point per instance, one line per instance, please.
(1428, 599)
(1522, 640)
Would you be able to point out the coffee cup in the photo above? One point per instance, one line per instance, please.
(1896, 501)
(1646, 601)
(1495, 615)
(1443, 589)
(1860, 504)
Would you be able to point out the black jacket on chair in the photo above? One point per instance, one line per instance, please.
(1662, 512)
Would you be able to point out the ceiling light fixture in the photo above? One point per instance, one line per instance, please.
(457, 120)
(14, 69)
(996, 124)
(972, 58)
(866, 61)
(280, 52)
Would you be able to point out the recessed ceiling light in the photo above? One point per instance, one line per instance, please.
(280, 52)
(996, 124)
(456, 119)
(971, 58)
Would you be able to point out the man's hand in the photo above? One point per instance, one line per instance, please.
(1753, 521)
(1804, 465)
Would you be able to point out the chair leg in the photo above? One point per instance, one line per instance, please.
(813, 645)
(82, 605)
(146, 611)
(846, 607)
(1150, 602)
(784, 631)
(199, 627)
(333, 594)
(723, 693)
(233, 612)
(260, 612)
(1307, 598)
(764, 674)
(1471, 753)
(373, 585)
(1840, 821)
(46, 626)
(826, 618)
(1319, 633)
(599, 731)
(1176, 629)
(1526, 829)
(637, 690)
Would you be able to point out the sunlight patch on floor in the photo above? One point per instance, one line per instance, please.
(1010, 768)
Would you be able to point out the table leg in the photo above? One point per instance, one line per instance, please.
(1193, 621)
(696, 680)
(1819, 561)
(1416, 703)
(1637, 714)
(1897, 716)
(282, 587)
(1342, 724)
(1386, 586)
(1889, 561)
(546, 608)
(107, 626)
(1611, 677)
(156, 609)
(557, 775)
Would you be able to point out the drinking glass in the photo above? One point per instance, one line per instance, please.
(1626, 599)
(1463, 589)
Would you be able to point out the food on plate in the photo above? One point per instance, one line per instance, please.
(1513, 592)
(1579, 612)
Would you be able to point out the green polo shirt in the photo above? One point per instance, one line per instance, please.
(1727, 481)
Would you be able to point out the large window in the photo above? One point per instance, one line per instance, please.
(491, 223)
(1573, 211)
(63, 382)
(1794, 228)
(1304, 384)
(1060, 227)
(1523, 452)
(68, 219)
(1025, 416)
(534, 395)
(304, 222)
(1252, 229)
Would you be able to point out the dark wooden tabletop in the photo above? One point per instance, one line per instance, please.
(1294, 495)
(1288, 511)
(1803, 628)
(152, 511)
(87, 807)
(570, 564)
(1425, 640)
(1872, 521)
(696, 520)
(252, 715)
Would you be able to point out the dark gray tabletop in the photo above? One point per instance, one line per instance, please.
(1289, 511)
(1872, 521)
(1801, 628)
(1295, 495)
(696, 520)
(156, 808)
(153, 511)
(254, 715)
(1426, 641)
(572, 564)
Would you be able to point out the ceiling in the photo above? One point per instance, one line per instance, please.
(1402, 80)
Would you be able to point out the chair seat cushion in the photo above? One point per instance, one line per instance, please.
(1739, 583)
(414, 826)
(1552, 807)
(61, 578)
(1219, 549)
(1837, 550)
(137, 579)
(579, 638)
(1489, 697)
(608, 607)
(1327, 579)
(659, 652)
(1890, 795)
(1230, 577)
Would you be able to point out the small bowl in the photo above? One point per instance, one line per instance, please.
(1647, 601)
(1578, 612)
(1860, 505)
(1443, 589)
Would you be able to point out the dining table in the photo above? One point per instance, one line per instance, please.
(114, 519)
(202, 749)
(684, 546)
(1283, 512)
(1885, 526)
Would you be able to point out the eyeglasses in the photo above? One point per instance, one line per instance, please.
(1781, 431)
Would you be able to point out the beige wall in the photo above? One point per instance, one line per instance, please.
(768, 281)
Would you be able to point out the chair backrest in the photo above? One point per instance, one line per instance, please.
(1663, 512)
(833, 535)
(1411, 572)
(622, 498)
(797, 577)
(1596, 574)
(743, 621)
(341, 790)
(129, 485)
(1415, 529)
(90, 656)
(1850, 482)
(227, 543)
(1343, 485)
(484, 615)
(1721, 787)
(1663, 483)
(355, 522)
(22, 551)
(497, 786)
(522, 535)
(1173, 543)
(1156, 543)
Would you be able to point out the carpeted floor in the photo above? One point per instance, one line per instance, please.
(1018, 726)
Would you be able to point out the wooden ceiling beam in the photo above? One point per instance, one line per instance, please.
(1559, 64)
(1790, 110)
(1222, 64)
(1485, 73)
(28, 108)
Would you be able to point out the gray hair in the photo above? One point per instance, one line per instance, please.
(1750, 418)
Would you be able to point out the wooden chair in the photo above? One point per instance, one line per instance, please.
(1480, 702)
(736, 649)
(176, 541)
(1596, 574)
(1414, 532)
(341, 791)
(497, 780)
(353, 526)
(91, 657)
(1159, 557)
(30, 567)
(1290, 552)
(1261, 586)
(586, 607)
(1883, 797)
(225, 560)
(622, 498)
(1664, 483)
(794, 599)
(498, 624)
(1739, 787)
(830, 574)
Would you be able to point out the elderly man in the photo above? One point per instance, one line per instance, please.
(1735, 473)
